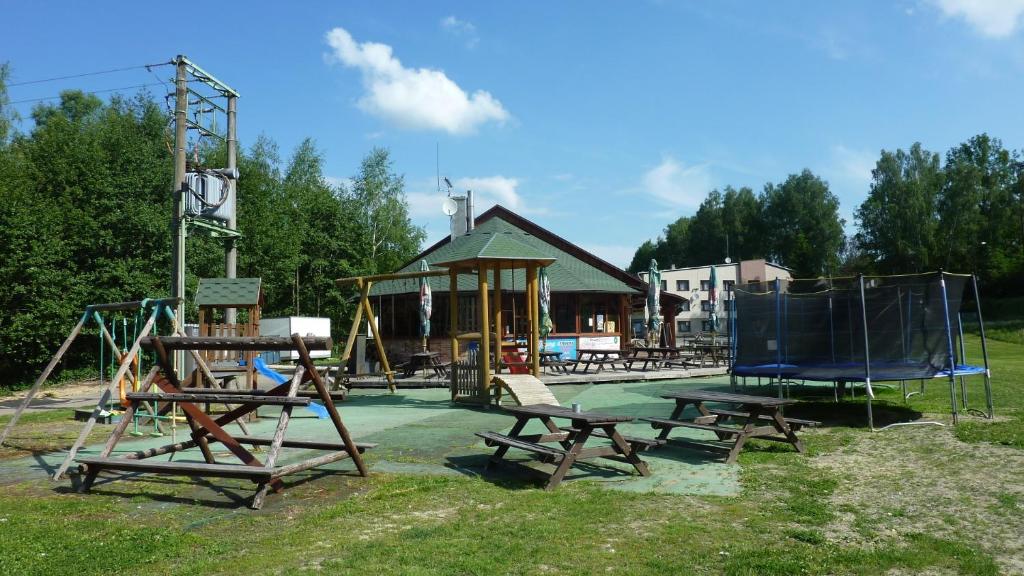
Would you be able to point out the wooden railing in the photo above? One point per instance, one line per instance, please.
(466, 377)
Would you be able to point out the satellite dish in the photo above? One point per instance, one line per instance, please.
(728, 260)
(449, 207)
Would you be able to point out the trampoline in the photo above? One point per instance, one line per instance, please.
(864, 329)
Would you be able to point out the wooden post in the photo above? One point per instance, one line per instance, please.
(121, 370)
(365, 301)
(529, 315)
(453, 313)
(46, 374)
(534, 296)
(485, 331)
(351, 340)
(498, 325)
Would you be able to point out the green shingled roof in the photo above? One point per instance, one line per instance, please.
(501, 239)
(228, 292)
(493, 245)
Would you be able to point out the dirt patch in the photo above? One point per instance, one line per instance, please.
(924, 480)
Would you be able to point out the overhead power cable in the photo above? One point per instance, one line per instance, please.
(89, 92)
(97, 73)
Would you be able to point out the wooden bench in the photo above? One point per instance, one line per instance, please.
(261, 399)
(669, 423)
(546, 453)
(178, 468)
(638, 443)
(794, 423)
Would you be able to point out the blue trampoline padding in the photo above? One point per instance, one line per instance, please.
(854, 372)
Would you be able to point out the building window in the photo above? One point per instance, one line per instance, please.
(705, 306)
(664, 285)
(598, 314)
(728, 285)
(564, 318)
(682, 326)
(682, 285)
(705, 285)
(684, 306)
(705, 325)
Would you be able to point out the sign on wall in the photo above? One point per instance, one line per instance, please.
(599, 342)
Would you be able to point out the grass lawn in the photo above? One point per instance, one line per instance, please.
(910, 500)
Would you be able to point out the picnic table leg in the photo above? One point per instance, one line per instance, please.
(676, 413)
(782, 426)
(502, 449)
(746, 432)
(624, 448)
(579, 439)
(554, 429)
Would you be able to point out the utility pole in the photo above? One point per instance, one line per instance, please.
(179, 191)
(230, 250)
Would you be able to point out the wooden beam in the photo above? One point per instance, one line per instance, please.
(485, 330)
(46, 374)
(453, 321)
(532, 294)
(378, 341)
(350, 445)
(236, 343)
(394, 276)
(87, 428)
(351, 340)
(499, 328)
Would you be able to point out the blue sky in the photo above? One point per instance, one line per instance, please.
(603, 121)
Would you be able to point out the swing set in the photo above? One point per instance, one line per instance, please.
(128, 368)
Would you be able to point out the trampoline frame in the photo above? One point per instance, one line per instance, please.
(951, 370)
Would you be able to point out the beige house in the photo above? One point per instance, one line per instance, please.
(693, 284)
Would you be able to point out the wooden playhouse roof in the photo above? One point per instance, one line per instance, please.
(229, 292)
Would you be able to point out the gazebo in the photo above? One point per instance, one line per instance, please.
(486, 254)
(482, 252)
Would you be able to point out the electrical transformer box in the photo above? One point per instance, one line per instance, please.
(208, 196)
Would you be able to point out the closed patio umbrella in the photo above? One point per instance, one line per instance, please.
(713, 304)
(545, 307)
(653, 309)
(426, 303)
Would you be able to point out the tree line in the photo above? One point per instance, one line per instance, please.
(965, 214)
(87, 211)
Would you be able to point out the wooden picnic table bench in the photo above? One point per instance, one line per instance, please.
(656, 356)
(732, 425)
(571, 440)
(598, 357)
(426, 360)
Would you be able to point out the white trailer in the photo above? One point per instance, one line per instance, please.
(303, 325)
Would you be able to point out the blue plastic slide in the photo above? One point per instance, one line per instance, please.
(279, 378)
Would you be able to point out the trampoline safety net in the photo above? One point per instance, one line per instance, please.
(814, 329)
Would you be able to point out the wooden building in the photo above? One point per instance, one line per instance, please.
(591, 299)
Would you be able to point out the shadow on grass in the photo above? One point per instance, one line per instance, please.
(229, 496)
(528, 474)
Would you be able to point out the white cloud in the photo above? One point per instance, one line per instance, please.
(461, 29)
(339, 182)
(676, 184)
(619, 255)
(992, 18)
(853, 166)
(491, 190)
(413, 98)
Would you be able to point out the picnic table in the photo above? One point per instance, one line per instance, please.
(654, 355)
(553, 359)
(425, 360)
(747, 417)
(600, 357)
(706, 351)
(571, 439)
